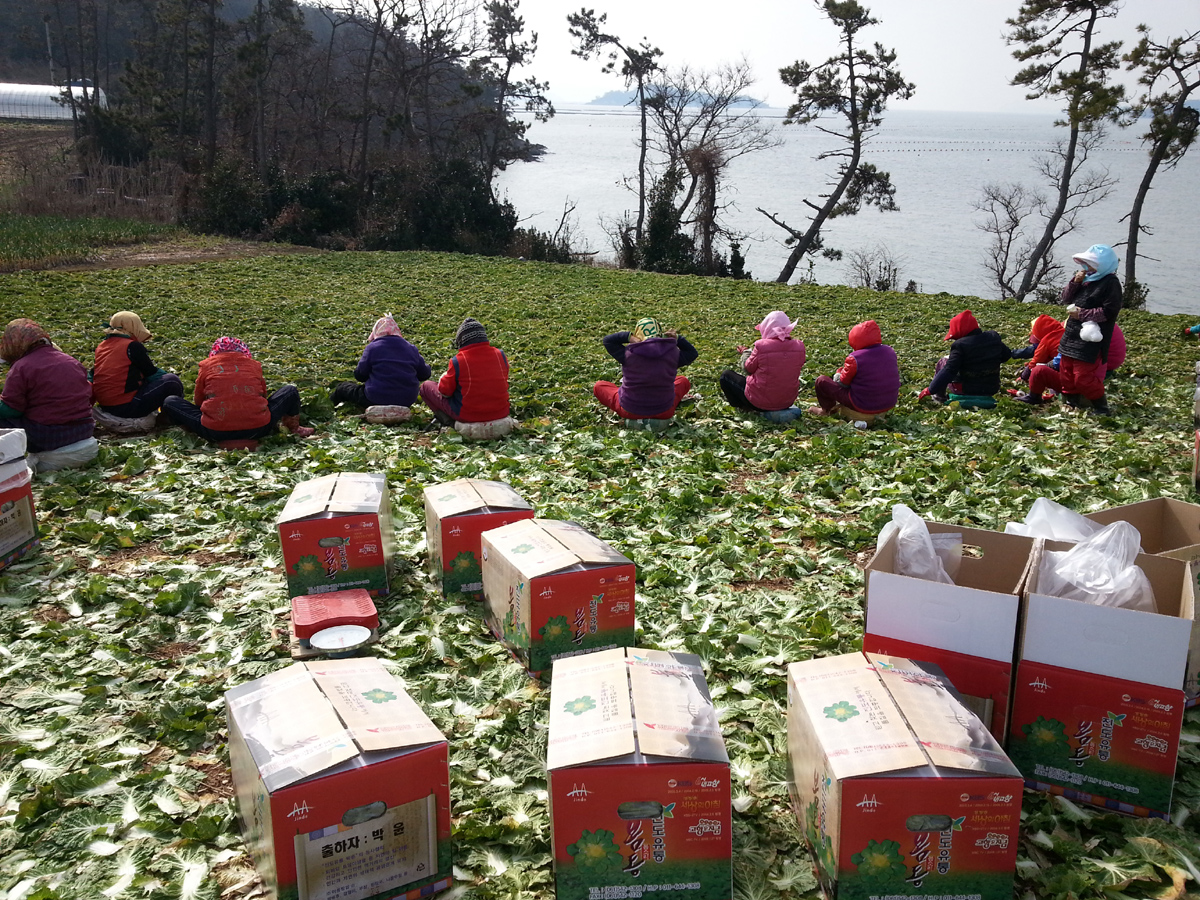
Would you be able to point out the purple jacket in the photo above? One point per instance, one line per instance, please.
(876, 384)
(773, 372)
(648, 370)
(48, 387)
(392, 370)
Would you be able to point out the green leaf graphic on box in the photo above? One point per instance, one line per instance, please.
(881, 861)
(556, 631)
(307, 566)
(842, 711)
(514, 631)
(957, 824)
(464, 569)
(1118, 720)
(523, 548)
(596, 852)
(379, 695)
(1045, 732)
(579, 705)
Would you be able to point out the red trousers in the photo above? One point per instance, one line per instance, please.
(606, 393)
(1043, 377)
(1082, 377)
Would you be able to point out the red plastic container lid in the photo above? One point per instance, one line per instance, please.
(314, 612)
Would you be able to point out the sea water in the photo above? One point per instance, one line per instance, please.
(939, 163)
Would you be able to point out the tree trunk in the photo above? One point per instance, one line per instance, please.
(1135, 214)
(641, 219)
(805, 242)
(210, 90)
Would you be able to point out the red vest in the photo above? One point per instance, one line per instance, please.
(231, 393)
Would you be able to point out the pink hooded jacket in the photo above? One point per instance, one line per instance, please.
(773, 369)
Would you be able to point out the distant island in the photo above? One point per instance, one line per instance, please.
(624, 98)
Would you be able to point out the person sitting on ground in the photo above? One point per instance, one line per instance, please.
(125, 383)
(46, 392)
(231, 400)
(1094, 300)
(391, 370)
(475, 386)
(1046, 378)
(1044, 334)
(868, 381)
(651, 386)
(970, 374)
(772, 379)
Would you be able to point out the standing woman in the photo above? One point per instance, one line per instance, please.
(125, 383)
(46, 393)
(1093, 296)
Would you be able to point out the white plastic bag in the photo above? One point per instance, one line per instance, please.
(1053, 521)
(387, 415)
(1090, 332)
(1099, 570)
(918, 553)
(12, 444)
(72, 456)
(485, 431)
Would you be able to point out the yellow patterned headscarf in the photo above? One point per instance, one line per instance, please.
(646, 328)
(21, 336)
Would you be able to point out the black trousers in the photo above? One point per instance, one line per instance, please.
(284, 402)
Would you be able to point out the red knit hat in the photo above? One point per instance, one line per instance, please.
(962, 324)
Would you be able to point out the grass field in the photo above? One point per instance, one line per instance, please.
(35, 242)
(159, 584)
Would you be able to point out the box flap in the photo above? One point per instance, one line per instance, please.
(530, 548)
(675, 714)
(590, 713)
(961, 619)
(374, 707)
(453, 498)
(585, 545)
(308, 498)
(952, 735)
(286, 746)
(357, 492)
(858, 725)
(498, 495)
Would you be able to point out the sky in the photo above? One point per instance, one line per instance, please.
(953, 50)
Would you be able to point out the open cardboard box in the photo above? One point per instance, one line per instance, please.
(899, 789)
(1100, 691)
(969, 629)
(554, 589)
(1168, 528)
(456, 514)
(640, 802)
(343, 784)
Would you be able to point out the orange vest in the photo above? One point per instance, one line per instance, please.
(110, 372)
(231, 393)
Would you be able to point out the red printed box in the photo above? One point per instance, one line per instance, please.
(18, 521)
(456, 514)
(349, 800)
(1099, 695)
(554, 589)
(336, 534)
(969, 628)
(640, 802)
(899, 789)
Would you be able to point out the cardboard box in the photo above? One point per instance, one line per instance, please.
(969, 628)
(18, 520)
(343, 784)
(899, 789)
(456, 514)
(554, 589)
(1099, 695)
(1168, 527)
(336, 534)
(640, 802)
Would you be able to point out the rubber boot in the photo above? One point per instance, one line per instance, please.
(442, 418)
(1100, 407)
(292, 424)
(1076, 401)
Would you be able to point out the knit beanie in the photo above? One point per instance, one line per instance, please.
(470, 332)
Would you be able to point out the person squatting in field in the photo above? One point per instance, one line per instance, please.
(46, 393)
(970, 373)
(868, 381)
(475, 385)
(231, 400)
(650, 357)
(772, 367)
(389, 373)
(125, 383)
(1041, 372)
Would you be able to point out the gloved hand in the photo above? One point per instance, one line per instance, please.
(924, 393)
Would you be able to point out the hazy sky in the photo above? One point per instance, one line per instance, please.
(953, 50)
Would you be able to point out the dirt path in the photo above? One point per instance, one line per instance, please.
(192, 250)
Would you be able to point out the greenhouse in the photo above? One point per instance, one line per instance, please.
(40, 101)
